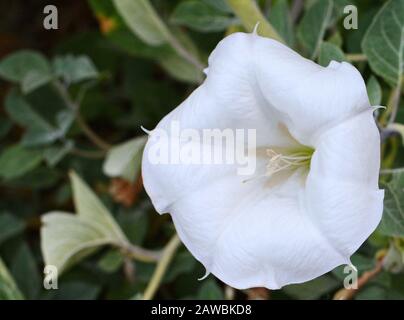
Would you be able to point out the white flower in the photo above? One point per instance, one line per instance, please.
(315, 198)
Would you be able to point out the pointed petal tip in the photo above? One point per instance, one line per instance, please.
(255, 30)
(374, 108)
(148, 132)
(207, 273)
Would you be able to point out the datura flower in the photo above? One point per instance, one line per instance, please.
(313, 198)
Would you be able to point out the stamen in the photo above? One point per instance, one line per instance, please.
(279, 162)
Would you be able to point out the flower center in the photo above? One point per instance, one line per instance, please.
(288, 159)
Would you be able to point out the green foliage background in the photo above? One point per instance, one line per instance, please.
(73, 101)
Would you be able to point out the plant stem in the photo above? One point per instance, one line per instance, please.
(91, 135)
(391, 171)
(88, 153)
(356, 57)
(141, 254)
(250, 14)
(394, 103)
(184, 53)
(162, 265)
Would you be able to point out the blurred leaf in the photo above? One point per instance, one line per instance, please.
(74, 290)
(22, 113)
(33, 80)
(134, 223)
(90, 207)
(144, 22)
(39, 178)
(53, 155)
(8, 288)
(16, 66)
(330, 52)
(183, 262)
(374, 91)
(336, 39)
(220, 5)
(16, 161)
(67, 238)
(209, 290)
(5, 126)
(180, 69)
(141, 18)
(392, 223)
(280, 19)
(313, 25)
(124, 159)
(22, 265)
(73, 69)
(399, 128)
(201, 16)
(393, 261)
(111, 261)
(312, 289)
(372, 292)
(39, 130)
(9, 226)
(383, 43)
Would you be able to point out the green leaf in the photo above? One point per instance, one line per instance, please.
(280, 19)
(183, 262)
(383, 43)
(201, 17)
(141, 18)
(33, 80)
(73, 69)
(313, 289)
(180, 69)
(314, 23)
(16, 160)
(209, 290)
(374, 91)
(74, 290)
(220, 5)
(111, 261)
(53, 155)
(23, 264)
(330, 52)
(34, 137)
(16, 66)
(9, 226)
(22, 113)
(124, 159)
(5, 126)
(8, 288)
(39, 130)
(90, 207)
(392, 223)
(66, 239)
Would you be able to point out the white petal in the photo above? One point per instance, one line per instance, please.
(311, 96)
(342, 191)
(261, 233)
(264, 239)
